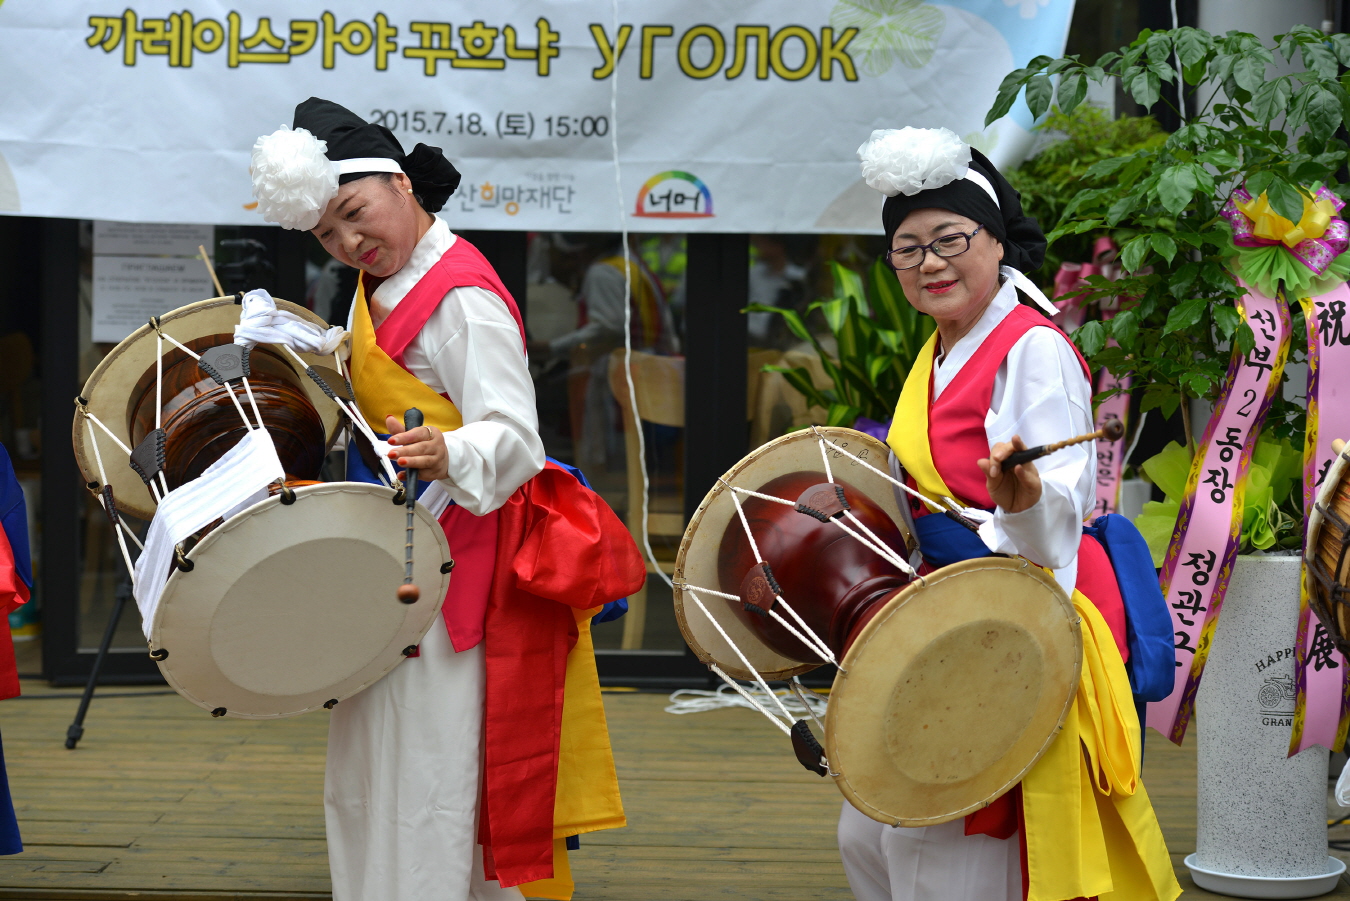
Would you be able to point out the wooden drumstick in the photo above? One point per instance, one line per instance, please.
(408, 592)
(1111, 430)
(1337, 445)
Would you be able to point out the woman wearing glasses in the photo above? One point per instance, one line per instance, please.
(995, 377)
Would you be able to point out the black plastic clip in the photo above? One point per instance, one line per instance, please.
(400, 495)
(809, 752)
(447, 567)
(159, 654)
(225, 363)
(330, 704)
(219, 711)
(148, 457)
(181, 560)
(410, 650)
(287, 495)
(238, 298)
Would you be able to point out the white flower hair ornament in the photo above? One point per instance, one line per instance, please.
(909, 160)
(293, 180)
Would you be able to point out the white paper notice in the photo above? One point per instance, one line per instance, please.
(130, 290)
(160, 239)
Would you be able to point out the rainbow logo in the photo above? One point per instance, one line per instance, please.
(674, 195)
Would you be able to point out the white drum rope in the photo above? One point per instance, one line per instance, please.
(357, 420)
(813, 642)
(694, 700)
(875, 545)
(825, 458)
(932, 504)
(727, 638)
(814, 703)
(159, 332)
(763, 497)
(121, 542)
(84, 411)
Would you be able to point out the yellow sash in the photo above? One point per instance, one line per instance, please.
(382, 387)
(908, 436)
(587, 797)
(1091, 829)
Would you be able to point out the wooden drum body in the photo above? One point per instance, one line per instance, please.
(951, 685)
(200, 421)
(1327, 554)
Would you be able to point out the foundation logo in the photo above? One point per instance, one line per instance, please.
(674, 195)
(1277, 696)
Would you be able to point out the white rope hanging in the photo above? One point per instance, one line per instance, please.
(695, 700)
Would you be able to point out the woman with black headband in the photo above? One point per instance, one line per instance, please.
(462, 744)
(995, 377)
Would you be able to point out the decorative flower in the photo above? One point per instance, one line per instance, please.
(1273, 253)
(909, 160)
(292, 179)
(1027, 8)
(890, 30)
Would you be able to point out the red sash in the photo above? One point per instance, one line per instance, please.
(554, 545)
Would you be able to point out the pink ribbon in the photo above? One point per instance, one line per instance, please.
(1315, 253)
(1072, 276)
(1320, 671)
(1205, 539)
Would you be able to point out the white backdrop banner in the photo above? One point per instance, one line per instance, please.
(720, 116)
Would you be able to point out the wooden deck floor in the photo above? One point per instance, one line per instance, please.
(161, 801)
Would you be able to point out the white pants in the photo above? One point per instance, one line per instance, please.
(401, 786)
(927, 863)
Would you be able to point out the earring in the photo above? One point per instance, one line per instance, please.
(410, 190)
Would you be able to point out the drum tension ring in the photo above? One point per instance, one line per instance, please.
(287, 495)
(446, 567)
(809, 752)
(823, 502)
(410, 650)
(219, 711)
(330, 704)
(759, 590)
(400, 496)
(159, 654)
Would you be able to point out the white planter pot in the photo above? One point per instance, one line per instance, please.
(1261, 814)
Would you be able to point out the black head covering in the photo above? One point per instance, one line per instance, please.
(350, 137)
(1021, 236)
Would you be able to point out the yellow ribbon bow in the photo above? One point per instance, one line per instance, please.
(1268, 224)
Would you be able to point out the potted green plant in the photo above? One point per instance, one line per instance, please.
(1216, 227)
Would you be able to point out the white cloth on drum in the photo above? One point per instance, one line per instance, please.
(470, 350)
(401, 787)
(927, 863)
(260, 322)
(235, 479)
(1040, 394)
(436, 499)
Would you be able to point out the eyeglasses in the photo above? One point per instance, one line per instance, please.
(947, 246)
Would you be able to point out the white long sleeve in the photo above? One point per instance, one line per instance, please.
(1040, 393)
(470, 349)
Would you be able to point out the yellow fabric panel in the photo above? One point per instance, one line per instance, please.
(908, 436)
(561, 886)
(383, 387)
(588, 786)
(1091, 829)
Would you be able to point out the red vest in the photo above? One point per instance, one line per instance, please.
(473, 539)
(956, 419)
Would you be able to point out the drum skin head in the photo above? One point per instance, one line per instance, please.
(698, 556)
(110, 387)
(953, 691)
(289, 607)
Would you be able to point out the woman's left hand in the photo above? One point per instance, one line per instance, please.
(1017, 489)
(422, 449)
